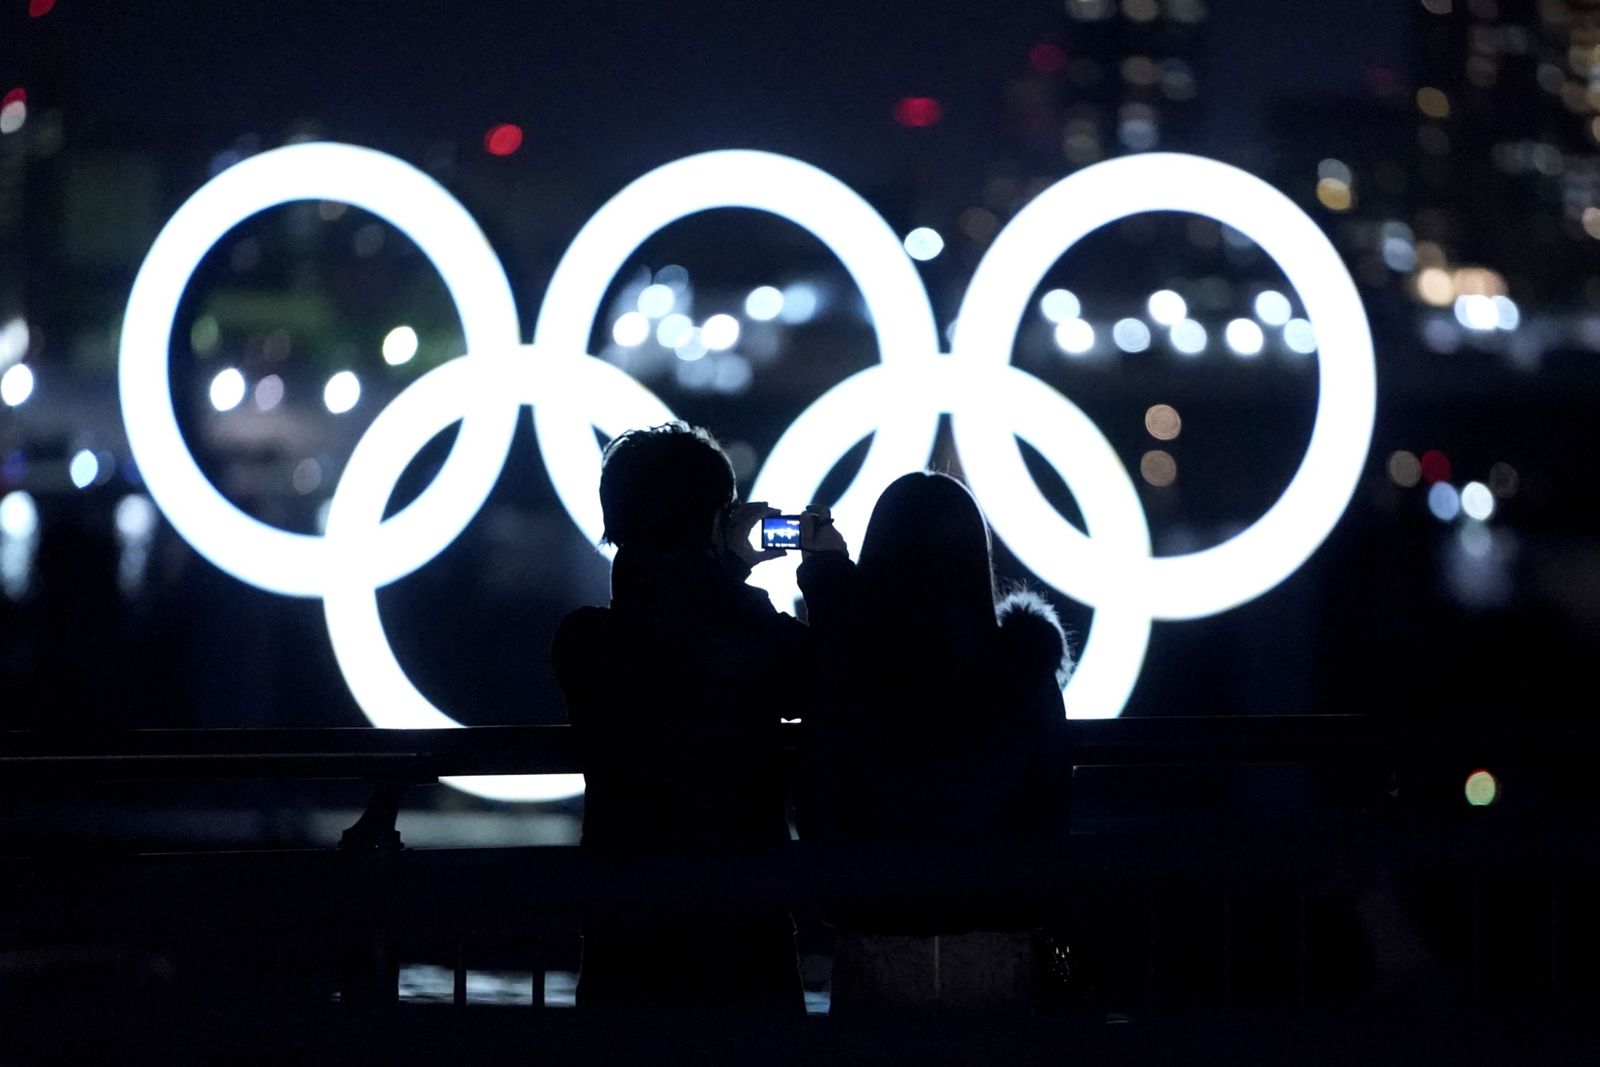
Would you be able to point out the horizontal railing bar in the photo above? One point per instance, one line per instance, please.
(421, 755)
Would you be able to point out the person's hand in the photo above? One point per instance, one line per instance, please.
(732, 534)
(818, 534)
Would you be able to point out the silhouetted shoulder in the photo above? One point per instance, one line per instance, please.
(1030, 630)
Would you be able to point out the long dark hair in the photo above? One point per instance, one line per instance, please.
(926, 562)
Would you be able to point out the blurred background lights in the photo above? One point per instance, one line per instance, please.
(1163, 422)
(1272, 307)
(19, 515)
(1074, 336)
(918, 111)
(763, 304)
(269, 392)
(12, 115)
(1167, 307)
(631, 328)
(673, 330)
(923, 243)
(307, 476)
(399, 345)
(1244, 337)
(1158, 468)
(720, 332)
(1482, 789)
(16, 385)
(342, 392)
(227, 389)
(1404, 470)
(13, 341)
(1508, 316)
(205, 335)
(83, 468)
(1444, 501)
(1435, 287)
(692, 347)
(40, 8)
(1299, 337)
(1477, 502)
(1189, 337)
(800, 302)
(1131, 335)
(1058, 305)
(1435, 466)
(135, 517)
(656, 300)
(675, 276)
(502, 140)
(1477, 312)
(1503, 480)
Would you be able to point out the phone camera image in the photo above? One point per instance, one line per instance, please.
(780, 531)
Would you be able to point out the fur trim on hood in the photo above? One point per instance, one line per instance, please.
(1027, 618)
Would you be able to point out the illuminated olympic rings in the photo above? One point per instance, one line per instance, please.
(898, 402)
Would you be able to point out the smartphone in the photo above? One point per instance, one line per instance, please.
(780, 531)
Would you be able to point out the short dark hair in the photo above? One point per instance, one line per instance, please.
(664, 486)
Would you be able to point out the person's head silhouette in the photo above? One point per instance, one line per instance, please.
(927, 546)
(664, 487)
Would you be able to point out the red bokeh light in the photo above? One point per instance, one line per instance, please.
(19, 93)
(1046, 58)
(918, 111)
(504, 139)
(40, 8)
(1435, 466)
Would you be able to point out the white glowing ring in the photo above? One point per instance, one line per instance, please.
(264, 556)
(811, 198)
(1264, 554)
(607, 397)
(1111, 658)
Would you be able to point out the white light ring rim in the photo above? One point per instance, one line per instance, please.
(422, 410)
(252, 551)
(882, 400)
(1113, 653)
(1268, 551)
(809, 197)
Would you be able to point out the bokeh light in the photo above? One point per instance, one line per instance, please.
(1189, 337)
(342, 392)
(1273, 308)
(1435, 466)
(1299, 337)
(1404, 469)
(1074, 336)
(656, 300)
(1244, 337)
(1166, 307)
(720, 332)
(1477, 502)
(269, 392)
(227, 389)
(1503, 480)
(923, 243)
(918, 111)
(764, 303)
(83, 468)
(399, 345)
(16, 385)
(1481, 789)
(1158, 468)
(1131, 335)
(1058, 305)
(1046, 58)
(630, 329)
(1444, 501)
(673, 330)
(1163, 422)
(502, 140)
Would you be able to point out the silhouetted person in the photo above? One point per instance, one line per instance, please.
(675, 692)
(941, 728)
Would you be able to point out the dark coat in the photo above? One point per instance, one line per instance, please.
(932, 732)
(674, 694)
